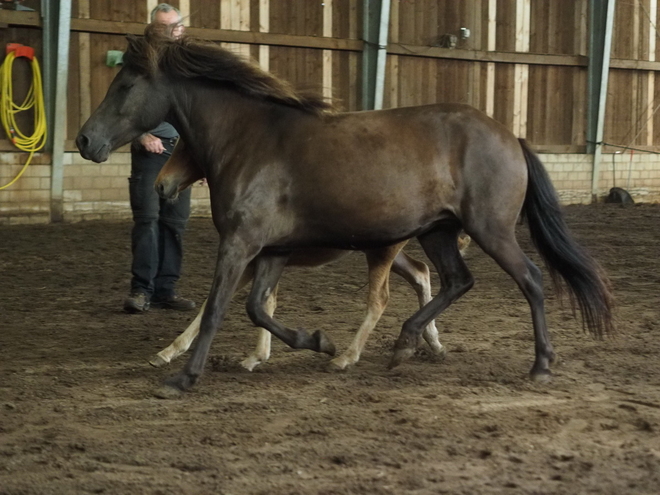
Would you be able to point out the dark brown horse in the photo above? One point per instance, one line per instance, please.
(181, 171)
(285, 172)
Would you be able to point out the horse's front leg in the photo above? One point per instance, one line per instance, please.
(183, 342)
(233, 257)
(268, 269)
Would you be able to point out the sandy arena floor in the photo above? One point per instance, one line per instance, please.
(77, 414)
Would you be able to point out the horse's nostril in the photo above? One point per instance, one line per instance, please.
(82, 141)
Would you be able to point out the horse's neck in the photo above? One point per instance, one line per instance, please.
(216, 122)
(222, 126)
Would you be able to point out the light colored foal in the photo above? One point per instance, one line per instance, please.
(379, 261)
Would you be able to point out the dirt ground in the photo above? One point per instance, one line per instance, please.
(77, 414)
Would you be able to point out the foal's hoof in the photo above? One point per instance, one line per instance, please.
(541, 376)
(251, 362)
(340, 363)
(323, 343)
(167, 392)
(399, 356)
(158, 362)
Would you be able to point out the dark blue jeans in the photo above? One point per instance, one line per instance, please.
(158, 226)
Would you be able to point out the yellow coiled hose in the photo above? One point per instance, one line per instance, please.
(8, 110)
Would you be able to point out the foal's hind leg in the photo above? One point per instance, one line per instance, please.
(262, 351)
(500, 243)
(268, 269)
(418, 276)
(441, 246)
(379, 262)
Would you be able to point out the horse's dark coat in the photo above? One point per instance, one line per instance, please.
(285, 172)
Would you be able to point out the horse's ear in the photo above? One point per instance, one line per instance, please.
(131, 38)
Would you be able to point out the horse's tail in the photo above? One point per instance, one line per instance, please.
(587, 284)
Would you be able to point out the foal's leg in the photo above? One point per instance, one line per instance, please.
(418, 276)
(183, 342)
(441, 246)
(233, 257)
(379, 262)
(262, 351)
(268, 269)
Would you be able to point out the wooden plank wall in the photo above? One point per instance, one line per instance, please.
(632, 114)
(333, 72)
(524, 62)
(544, 103)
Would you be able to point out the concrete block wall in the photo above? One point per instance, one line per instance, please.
(571, 176)
(638, 173)
(100, 191)
(92, 191)
(28, 199)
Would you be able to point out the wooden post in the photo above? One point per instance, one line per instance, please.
(184, 9)
(327, 54)
(85, 73)
(151, 5)
(580, 48)
(521, 71)
(264, 27)
(235, 15)
(394, 59)
(650, 92)
(490, 67)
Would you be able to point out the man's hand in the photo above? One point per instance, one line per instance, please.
(151, 143)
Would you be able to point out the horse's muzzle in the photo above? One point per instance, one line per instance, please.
(90, 150)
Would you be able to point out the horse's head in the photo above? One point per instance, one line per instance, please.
(137, 100)
(178, 173)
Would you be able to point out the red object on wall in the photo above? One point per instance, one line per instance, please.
(21, 50)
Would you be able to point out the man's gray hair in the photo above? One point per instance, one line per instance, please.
(164, 7)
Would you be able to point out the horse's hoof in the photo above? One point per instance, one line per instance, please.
(323, 343)
(180, 382)
(399, 356)
(251, 362)
(167, 392)
(541, 376)
(158, 362)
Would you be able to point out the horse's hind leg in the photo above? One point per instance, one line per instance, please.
(417, 274)
(441, 246)
(500, 243)
(268, 269)
(379, 262)
(262, 352)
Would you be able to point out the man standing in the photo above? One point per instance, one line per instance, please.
(158, 225)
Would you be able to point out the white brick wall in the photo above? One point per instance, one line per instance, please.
(100, 191)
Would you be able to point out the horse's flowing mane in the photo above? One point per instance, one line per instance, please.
(190, 57)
